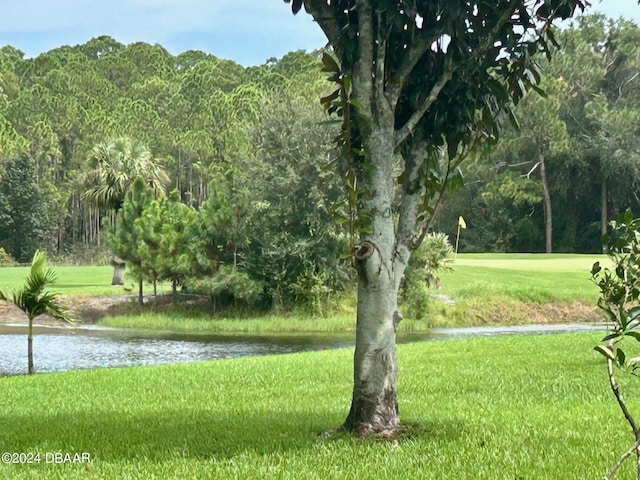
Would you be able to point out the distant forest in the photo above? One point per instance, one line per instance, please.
(259, 137)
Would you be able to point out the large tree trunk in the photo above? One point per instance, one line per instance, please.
(374, 406)
(546, 200)
(118, 274)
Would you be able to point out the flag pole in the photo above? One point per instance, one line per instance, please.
(461, 224)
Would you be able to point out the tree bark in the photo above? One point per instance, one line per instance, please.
(174, 290)
(118, 271)
(189, 180)
(30, 367)
(604, 206)
(140, 292)
(546, 200)
(374, 405)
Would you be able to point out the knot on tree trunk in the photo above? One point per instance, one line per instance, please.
(397, 318)
(363, 251)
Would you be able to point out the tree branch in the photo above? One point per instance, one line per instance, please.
(616, 392)
(410, 61)
(627, 82)
(415, 118)
(364, 63)
(410, 199)
(482, 50)
(380, 68)
(499, 165)
(621, 460)
(329, 21)
(533, 169)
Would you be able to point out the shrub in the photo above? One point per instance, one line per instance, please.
(6, 260)
(427, 262)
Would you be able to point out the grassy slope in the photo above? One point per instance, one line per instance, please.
(488, 408)
(526, 277)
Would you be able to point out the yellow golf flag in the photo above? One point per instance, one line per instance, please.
(461, 222)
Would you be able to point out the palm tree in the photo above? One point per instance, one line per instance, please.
(116, 164)
(34, 301)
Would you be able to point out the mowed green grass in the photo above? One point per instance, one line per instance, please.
(534, 278)
(526, 276)
(518, 407)
(73, 280)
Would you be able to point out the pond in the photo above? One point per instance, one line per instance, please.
(59, 349)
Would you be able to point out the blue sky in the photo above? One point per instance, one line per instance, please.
(247, 31)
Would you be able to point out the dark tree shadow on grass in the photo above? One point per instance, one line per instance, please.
(115, 436)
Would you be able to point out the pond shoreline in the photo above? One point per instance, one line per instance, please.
(62, 348)
(90, 310)
(480, 330)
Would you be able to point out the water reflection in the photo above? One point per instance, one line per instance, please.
(66, 349)
(59, 349)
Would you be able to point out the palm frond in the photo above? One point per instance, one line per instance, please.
(32, 298)
(19, 300)
(40, 276)
(47, 304)
(39, 261)
(116, 164)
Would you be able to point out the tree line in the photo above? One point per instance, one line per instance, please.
(218, 136)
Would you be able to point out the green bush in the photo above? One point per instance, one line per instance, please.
(229, 286)
(423, 272)
(6, 260)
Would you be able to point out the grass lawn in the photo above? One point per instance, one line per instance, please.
(515, 407)
(75, 280)
(517, 289)
(536, 278)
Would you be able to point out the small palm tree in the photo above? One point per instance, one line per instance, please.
(34, 301)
